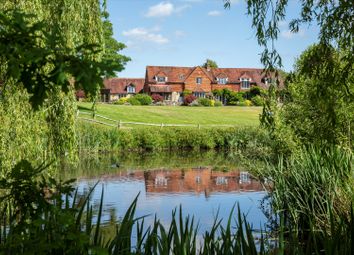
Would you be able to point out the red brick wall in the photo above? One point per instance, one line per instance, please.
(191, 84)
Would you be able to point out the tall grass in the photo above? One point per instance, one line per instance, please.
(96, 138)
(313, 192)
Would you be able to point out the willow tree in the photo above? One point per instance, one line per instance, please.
(336, 33)
(65, 40)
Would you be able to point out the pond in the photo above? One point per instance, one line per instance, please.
(203, 183)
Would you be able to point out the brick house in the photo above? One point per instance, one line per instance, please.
(115, 88)
(171, 81)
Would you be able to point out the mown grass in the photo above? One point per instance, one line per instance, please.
(228, 115)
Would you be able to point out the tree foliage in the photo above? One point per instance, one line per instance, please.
(112, 47)
(48, 50)
(210, 64)
(323, 75)
(319, 107)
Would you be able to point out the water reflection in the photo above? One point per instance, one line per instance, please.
(201, 189)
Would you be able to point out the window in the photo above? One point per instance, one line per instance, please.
(198, 80)
(221, 180)
(131, 89)
(161, 79)
(222, 80)
(199, 94)
(245, 83)
(244, 177)
(181, 76)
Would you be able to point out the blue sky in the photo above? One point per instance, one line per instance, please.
(186, 32)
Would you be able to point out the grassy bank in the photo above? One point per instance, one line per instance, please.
(95, 138)
(230, 115)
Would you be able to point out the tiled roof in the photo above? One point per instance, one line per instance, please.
(160, 88)
(177, 74)
(119, 85)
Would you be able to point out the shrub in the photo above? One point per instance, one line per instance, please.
(244, 103)
(194, 103)
(204, 101)
(257, 100)
(144, 99)
(217, 103)
(133, 101)
(121, 101)
(218, 92)
(157, 98)
(189, 99)
(212, 102)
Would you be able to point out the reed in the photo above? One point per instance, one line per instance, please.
(43, 216)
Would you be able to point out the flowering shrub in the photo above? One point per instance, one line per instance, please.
(189, 99)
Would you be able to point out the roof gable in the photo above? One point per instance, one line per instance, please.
(119, 85)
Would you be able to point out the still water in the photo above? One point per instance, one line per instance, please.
(203, 183)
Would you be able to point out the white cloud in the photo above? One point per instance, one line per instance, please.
(164, 9)
(145, 35)
(214, 13)
(179, 34)
(160, 10)
(287, 34)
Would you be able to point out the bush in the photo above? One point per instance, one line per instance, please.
(98, 138)
(212, 102)
(144, 99)
(157, 98)
(189, 99)
(245, 103)
(217, 103)
(204, 101)
(121, 101)
(133, 101)
(257, 101)
(194, 103)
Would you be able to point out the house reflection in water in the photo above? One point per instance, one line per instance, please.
(199, 180)
(196, 180)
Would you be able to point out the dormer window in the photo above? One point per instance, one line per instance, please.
(181, 76)
(199, 80)
(131, 89)
(245, 83)
(161, 78)
(222, 80)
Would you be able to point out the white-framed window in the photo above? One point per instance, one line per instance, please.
(245, 83)
(131, 89)
(181, 76)
(161, 78)
(221, 180)
(222, 80)
(245, 177)
(199, 94)
(199, 80)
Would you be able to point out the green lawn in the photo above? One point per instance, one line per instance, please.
(226, 115)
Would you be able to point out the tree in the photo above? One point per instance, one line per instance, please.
(336, 34)
(210, 64)
(48, 49)
(112, 46)
(319, 110)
